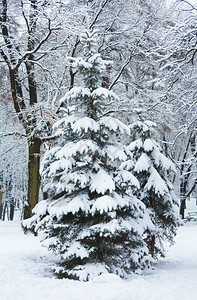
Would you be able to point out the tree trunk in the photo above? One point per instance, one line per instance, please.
(182, 196)
(152, 245)
(182, 208)
(34, 177)
(1, 211)
(12, 206)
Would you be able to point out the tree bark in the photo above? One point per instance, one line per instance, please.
(182, 208)
(183, 185)
(152, 245)
(34, 177)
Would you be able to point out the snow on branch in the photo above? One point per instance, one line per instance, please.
(28, 53)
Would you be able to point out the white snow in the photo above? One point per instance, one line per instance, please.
(25, 272)
(114, 153)
(80, 62)
(156, 182)
(76, 249)
(81, 177)
(85, 124)
(76, 92)
(136, 144)
(104, 204)
(62, 163)
(101, 183)
(64, 122)
(114, 124)
(89, 270)
(104, 93)
(70, 149)
(148, 145)
(65, 206)
(104, 229)
(162, 160)
(143, 163)
(125, 177)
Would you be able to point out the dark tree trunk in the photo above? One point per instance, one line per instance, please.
(34, 177)
(31, 83)
(1, 211)
(152, 245)
(182, 208)
(106, 78)
(5, 210)
(183, 186)
(12, 206)
(35, 143)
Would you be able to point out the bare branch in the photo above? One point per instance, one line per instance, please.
(120, 73)
(190, 4)
(15, 133)
(6, 59)
(6, 151)
(28, 53)
(49, 138)
(98, 13)
(24, 16)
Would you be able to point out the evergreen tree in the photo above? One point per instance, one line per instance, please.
(91, 217)
(152, 169)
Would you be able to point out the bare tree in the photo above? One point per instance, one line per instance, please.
(20, 41)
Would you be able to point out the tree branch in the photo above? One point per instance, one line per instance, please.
(15, 133)
(187, 2)
(28, 53)
(6, 151)
(25, 18)
(120, 73)
(98, 13)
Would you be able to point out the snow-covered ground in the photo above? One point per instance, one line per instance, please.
(25, 272)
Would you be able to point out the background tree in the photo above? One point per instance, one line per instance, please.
(21, 40)
(179, 74)
(13, 157)
(152, 169)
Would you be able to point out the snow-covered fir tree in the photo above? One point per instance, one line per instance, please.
(152, 169)
(91, 217)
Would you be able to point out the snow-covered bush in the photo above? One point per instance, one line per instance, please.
(152, 169)
(91, 217)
